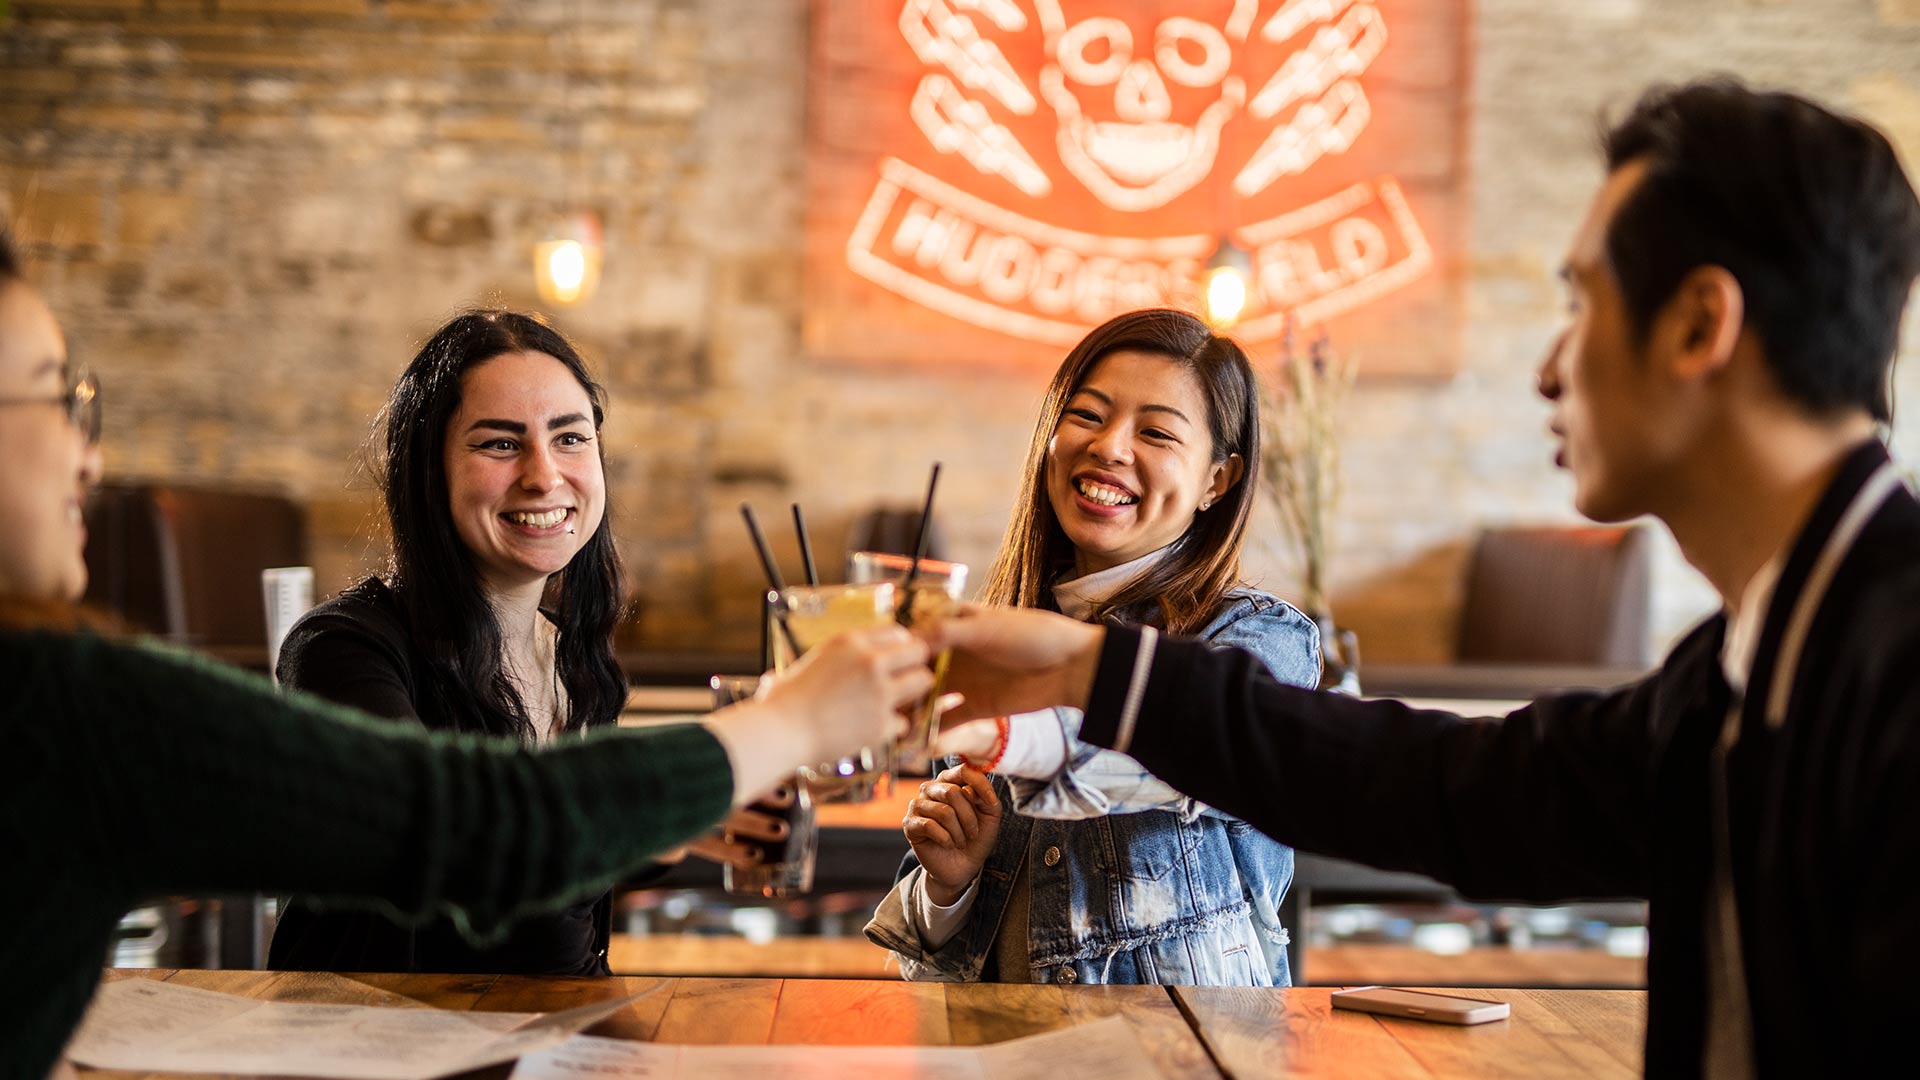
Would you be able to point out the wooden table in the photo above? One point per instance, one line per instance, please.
(1202, 1032)
(810, 956)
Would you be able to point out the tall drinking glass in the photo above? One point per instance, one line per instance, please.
(936, 593)
(786, 866)
(815, 613)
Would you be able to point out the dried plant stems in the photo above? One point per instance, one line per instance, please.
(1301, 456)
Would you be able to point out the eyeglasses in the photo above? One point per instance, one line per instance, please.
(81, 401)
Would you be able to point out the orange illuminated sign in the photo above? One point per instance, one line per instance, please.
(1027, 168)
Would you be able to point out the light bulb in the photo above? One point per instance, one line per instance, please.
(567, 266)
(1227, 282)
(1226, 296)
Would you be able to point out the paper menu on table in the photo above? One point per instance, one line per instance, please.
(154, 1026)
(1105, 1048)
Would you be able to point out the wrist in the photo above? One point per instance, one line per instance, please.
(941, 894)
(764, 745)
(997, 752)
(1084, 666)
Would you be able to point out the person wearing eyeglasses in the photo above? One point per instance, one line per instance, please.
(111, 745)
(51, 443)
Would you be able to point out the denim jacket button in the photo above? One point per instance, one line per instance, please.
(1052, 856)
(1066, 974)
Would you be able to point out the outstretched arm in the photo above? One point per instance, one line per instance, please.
(1546, 803)
(291, 794)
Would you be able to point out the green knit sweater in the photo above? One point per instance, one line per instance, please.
(134, 772)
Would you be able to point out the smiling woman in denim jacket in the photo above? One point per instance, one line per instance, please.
(1072, 864)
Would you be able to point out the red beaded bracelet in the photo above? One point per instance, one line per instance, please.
(999, 747)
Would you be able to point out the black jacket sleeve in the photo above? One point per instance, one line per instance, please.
(1875, 842)
(1549, 803)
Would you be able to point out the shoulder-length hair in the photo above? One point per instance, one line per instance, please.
(1181, 591)
(433, 575)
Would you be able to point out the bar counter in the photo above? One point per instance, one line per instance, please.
(1202, 1032)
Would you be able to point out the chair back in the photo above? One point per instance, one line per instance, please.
(1574, 595)
(184, 563)
(892, 530)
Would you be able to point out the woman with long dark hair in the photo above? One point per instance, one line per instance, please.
(1072, 864)
(135, 771)
(495, 616)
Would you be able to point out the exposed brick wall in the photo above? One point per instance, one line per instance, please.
(248, 212)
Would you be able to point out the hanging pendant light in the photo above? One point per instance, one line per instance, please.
(1227, 281)
(566, 264)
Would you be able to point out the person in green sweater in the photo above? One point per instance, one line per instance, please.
(133, 771)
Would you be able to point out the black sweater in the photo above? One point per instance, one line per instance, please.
(355, 650)
(1607, 795)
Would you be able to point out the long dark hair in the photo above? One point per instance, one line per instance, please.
(1181, 592)
(432, 573)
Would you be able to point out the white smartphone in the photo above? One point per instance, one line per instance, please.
(1419, 1005)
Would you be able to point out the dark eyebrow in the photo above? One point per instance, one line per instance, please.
(568, 420)
(1144, 408)
(514, 426)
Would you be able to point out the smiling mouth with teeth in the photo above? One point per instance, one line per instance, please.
(1096, 492)
(538, 521)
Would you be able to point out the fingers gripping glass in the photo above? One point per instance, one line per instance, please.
(81, 402)
(785, 867)
(814, 614)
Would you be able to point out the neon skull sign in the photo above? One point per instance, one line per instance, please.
(1110, 138)
(1143, 155)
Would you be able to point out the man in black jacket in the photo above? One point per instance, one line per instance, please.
(1736, 293)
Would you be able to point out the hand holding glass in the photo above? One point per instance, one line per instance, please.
(812, 615)
(937, 587)
(786, 866)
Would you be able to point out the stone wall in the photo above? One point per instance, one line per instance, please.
(249, 212)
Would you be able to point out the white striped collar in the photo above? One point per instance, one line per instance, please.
(1840, 541)
(1744, 623)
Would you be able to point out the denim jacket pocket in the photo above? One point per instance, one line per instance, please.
(1154, 843)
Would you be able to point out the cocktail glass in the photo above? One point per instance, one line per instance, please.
(786, 866)
(813, 614)
(937, 587)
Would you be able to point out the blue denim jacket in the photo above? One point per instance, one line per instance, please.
(1131, 881)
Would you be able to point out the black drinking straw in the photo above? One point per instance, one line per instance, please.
(806, 547)
(904, 614)
(778, 583)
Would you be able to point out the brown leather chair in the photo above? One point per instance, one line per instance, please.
(1571, 595)
(893, 529)
(184, 563)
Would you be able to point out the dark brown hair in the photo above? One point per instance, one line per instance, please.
(433, 575)
(1181, 592)
(22, 613)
